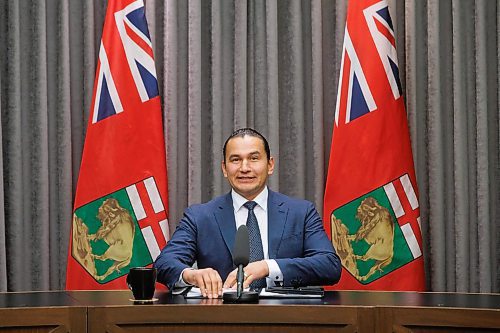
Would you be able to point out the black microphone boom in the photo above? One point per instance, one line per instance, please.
(241, 254)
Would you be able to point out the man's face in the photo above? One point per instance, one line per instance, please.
(246, 166)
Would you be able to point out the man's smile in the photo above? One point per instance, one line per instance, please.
(245, 178)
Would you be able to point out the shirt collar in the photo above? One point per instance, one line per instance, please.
(260, 199)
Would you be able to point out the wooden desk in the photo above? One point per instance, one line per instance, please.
(176, 314)
(112, 311)
(439, 312)
(338, 311)
(41, 312)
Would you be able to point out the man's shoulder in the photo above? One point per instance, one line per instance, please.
(280, 198)
(216, 202)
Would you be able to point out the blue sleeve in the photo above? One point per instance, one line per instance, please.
(318, 264)
(179, 253)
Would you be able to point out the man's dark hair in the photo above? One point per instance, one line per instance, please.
(249, 132)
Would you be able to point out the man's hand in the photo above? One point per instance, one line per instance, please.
(207, 279)
(253, 271)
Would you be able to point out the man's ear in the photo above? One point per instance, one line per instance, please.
(223, 167)
(270, 166)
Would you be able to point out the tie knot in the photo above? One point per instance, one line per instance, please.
(250, 205)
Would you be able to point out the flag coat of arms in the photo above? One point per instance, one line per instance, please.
(371, 208)
(120, 217)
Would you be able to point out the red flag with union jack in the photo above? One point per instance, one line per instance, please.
(371, 208)
(120, 217)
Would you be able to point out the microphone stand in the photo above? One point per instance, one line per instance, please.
(239, 278)
(243, 297)
(240, 259)
(240, 296)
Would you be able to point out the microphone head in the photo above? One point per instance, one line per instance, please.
(241, 251)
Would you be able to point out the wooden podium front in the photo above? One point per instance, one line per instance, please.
(343, 311)
(41, 312)
(177, 314)
(227, 318)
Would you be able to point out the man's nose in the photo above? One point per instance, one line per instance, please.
(244, 165)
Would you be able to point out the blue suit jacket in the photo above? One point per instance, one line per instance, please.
(297, 241)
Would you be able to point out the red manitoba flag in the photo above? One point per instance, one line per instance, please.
(120, 217)
(371, 208)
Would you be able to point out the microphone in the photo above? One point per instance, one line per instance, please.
(241, 255)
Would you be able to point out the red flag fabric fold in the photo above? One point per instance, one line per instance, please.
(371, 208)
(120, 217)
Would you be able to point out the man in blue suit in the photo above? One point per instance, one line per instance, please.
(291, 246)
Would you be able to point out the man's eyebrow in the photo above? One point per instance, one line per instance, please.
(255, 152)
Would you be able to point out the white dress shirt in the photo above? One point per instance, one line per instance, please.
(260, 210)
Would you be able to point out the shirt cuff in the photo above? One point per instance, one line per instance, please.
(181, 283)
(275, 275)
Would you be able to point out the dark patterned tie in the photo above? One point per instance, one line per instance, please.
(256, 251)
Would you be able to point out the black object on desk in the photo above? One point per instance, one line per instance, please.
(297, 290)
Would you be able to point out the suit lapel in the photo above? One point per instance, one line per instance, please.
(225, 219)
(277, 213)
